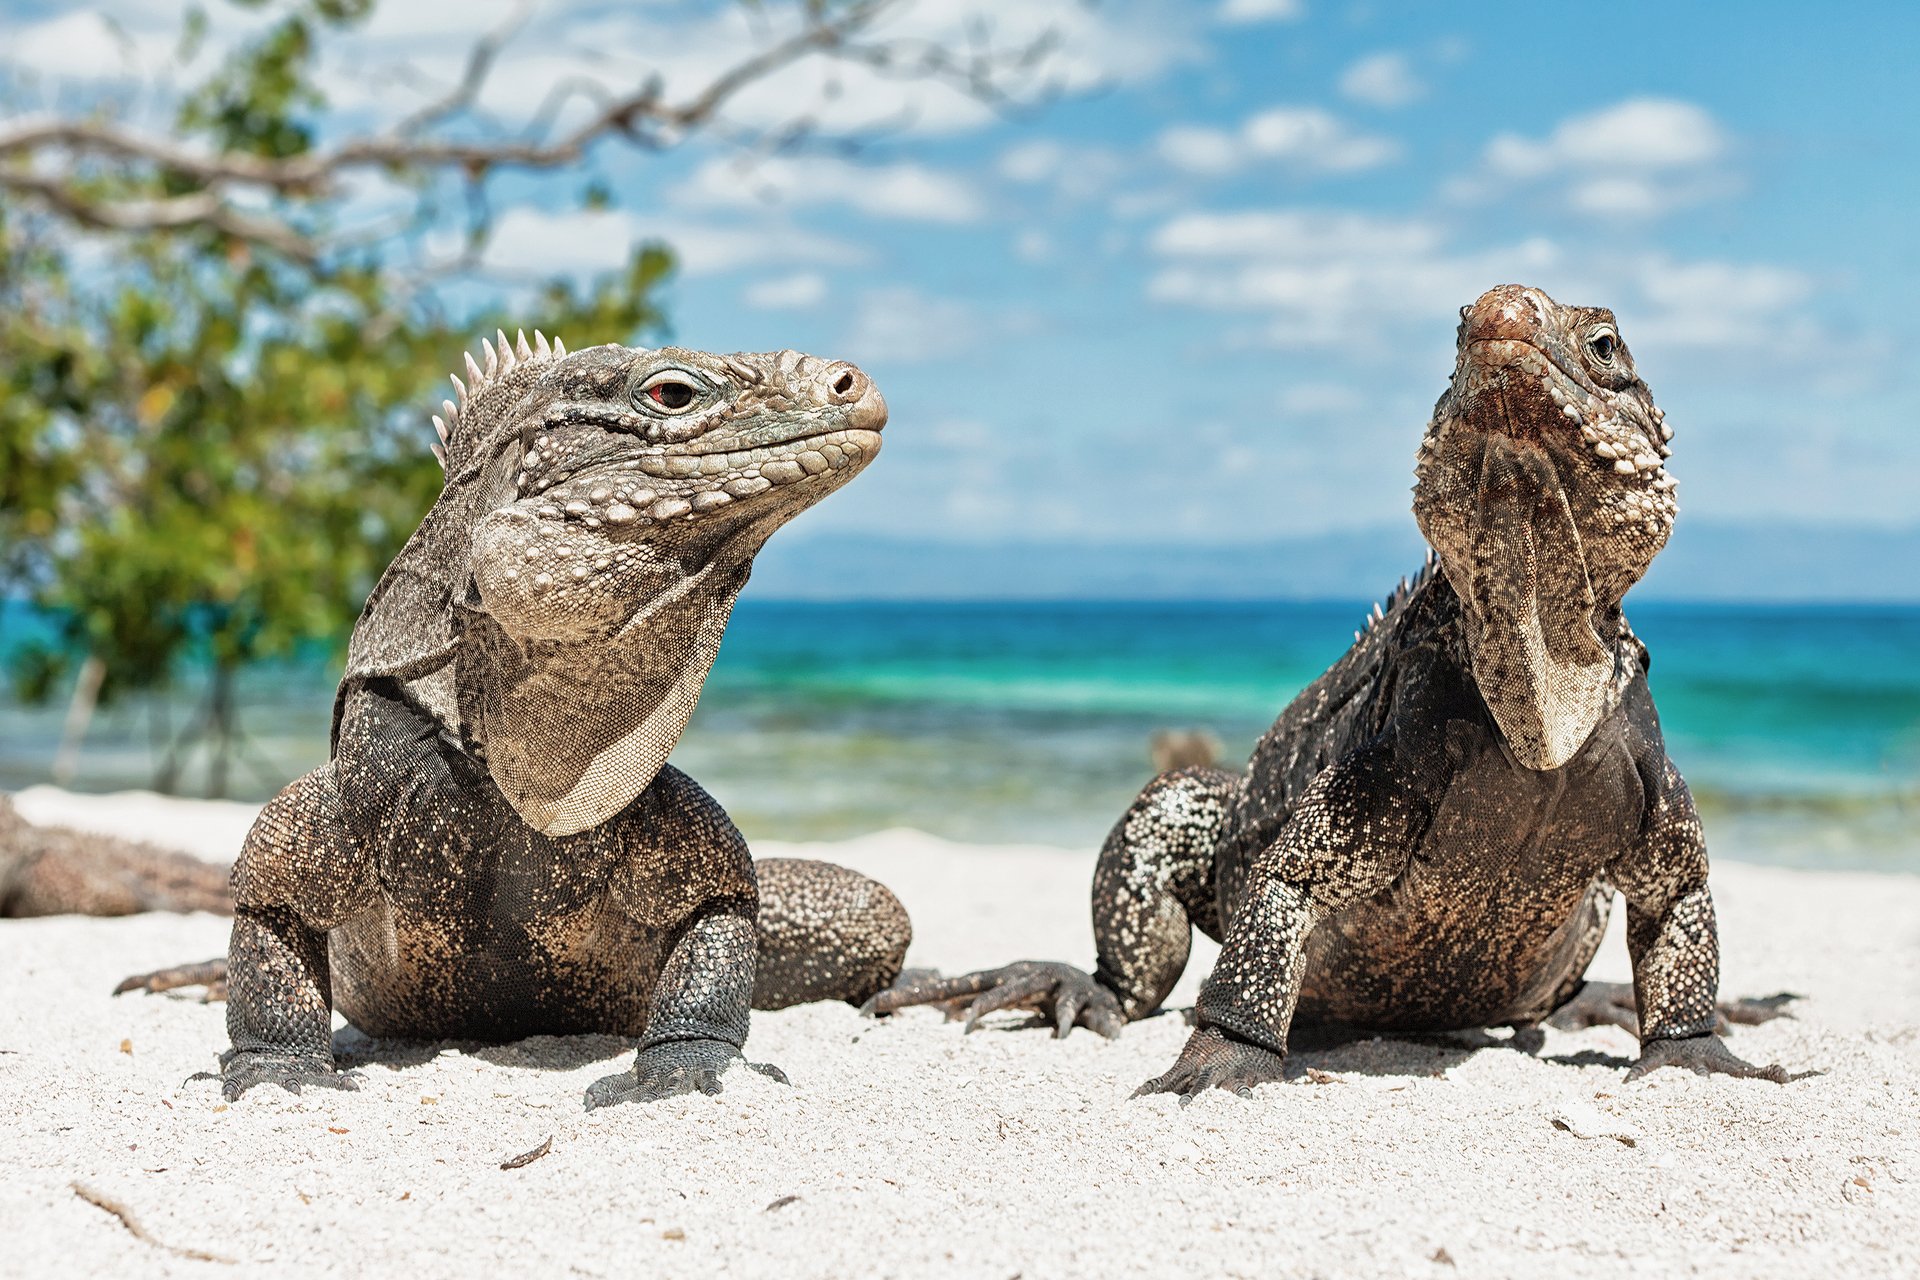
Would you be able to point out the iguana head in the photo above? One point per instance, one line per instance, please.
(558, 609)
(1542, 485)
(613, 448)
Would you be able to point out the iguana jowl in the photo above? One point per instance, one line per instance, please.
(1431, 835)
(497, 847)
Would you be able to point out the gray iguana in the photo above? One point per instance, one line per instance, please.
(1430, 836)
(497, 847)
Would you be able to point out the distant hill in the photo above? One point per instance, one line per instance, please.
(1705, 561)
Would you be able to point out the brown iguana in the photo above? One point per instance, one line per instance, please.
(1430, 836)
(48, 871)
(497, 847)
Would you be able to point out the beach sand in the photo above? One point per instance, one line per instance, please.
(906, 1148)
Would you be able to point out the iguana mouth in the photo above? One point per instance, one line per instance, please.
(652, 488)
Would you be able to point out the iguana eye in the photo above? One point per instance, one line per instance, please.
(1603, 344)
(669, 391)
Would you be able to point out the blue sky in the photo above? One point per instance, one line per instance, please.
(1208, 293)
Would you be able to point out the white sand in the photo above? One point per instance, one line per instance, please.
(904, 1148)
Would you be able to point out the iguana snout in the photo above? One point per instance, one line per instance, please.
(633, 439)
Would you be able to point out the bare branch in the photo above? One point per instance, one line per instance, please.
(480, 60)
(203, 209)
(640, 117)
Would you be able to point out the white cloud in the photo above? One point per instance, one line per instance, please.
(1722, 305)
(1075, 173)
(1242, 12)
(796, 292)
(406, 54)
(1648, 134)
(1033, 161)
(901, 325)
(618, 46)
(1382, 80)
(1200, 150)
(1296, 234)
(1304, 138)
(539, 242)
(1033, 245)
(1320, 400)
(1634, 160)
(84, 46)
(906, 191)
(1326, 279)
(1319, 278)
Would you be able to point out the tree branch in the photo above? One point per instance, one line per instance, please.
(640, 117)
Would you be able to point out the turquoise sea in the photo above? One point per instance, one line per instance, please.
(1798, 727)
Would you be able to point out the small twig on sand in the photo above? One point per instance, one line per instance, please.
(101, 1200)
(528, 1157)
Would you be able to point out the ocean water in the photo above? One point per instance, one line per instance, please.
(1797, 727)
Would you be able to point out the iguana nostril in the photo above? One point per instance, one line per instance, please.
(841, 383)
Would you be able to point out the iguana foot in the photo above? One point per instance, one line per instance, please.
(1065, 996)
(1702, 1055)
(1611, 1004)
(242, 1069)
(673, 1067)
(211, 974)
(1214, 1060)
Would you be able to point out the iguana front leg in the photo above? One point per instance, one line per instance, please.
(279, 1006)
(700, 1011)
(1674, 942)
(1348, 838)
(298, 874)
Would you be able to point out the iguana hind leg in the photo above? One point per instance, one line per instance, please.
(825, 933)
(1598, 1004)
(1153, 885)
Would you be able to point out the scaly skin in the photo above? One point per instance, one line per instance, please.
(1430, 836)
(497, 847)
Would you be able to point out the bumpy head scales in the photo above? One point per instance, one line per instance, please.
(622, 496)
(1542, 486)
(616, 446)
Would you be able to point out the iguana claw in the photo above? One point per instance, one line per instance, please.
(674, 1067)
(211, 974)
(242, 1069)
(1065, 996)
(1214, 1060)
(1702, 1055)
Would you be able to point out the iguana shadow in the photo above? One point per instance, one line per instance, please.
(354, 1048)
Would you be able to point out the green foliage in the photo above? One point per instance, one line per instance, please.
(207, 449)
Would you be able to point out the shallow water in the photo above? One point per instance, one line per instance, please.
(1798, 728)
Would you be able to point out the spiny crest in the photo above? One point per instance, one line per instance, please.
(482, 379)
(1378, 616)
